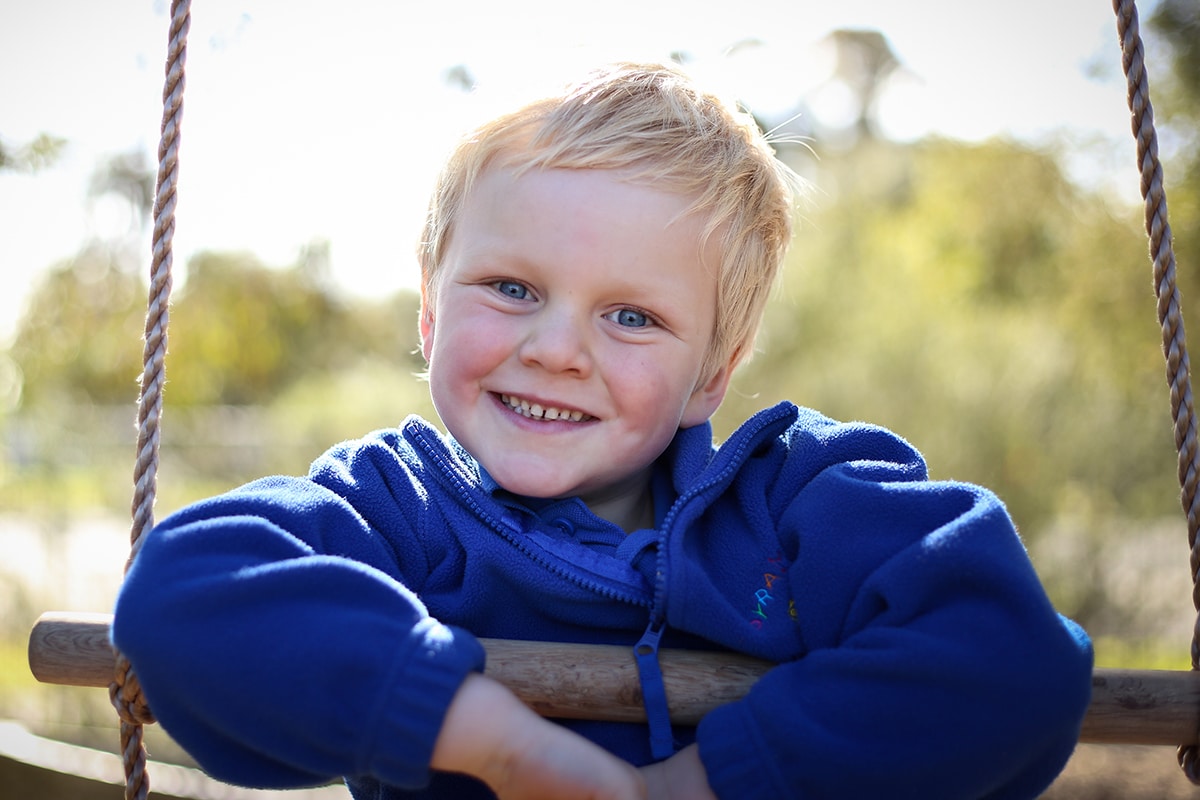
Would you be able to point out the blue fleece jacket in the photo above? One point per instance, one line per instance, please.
(299, 629)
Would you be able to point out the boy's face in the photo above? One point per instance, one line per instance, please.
(567, 330)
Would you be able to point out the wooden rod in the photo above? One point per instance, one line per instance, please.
(1143, 706)
(72, 649)
(590, 681)
(1157, 707)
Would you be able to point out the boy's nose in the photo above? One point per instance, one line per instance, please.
(557, 342)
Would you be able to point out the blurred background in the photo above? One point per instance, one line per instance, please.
(969, 270)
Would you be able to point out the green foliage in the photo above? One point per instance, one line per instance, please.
(969, 297)
(73, 343)
(1113, 652)
(1176, 26)
(366, 395)
(1173, 36)
(34, 156)
(245, 333)
(266, 367)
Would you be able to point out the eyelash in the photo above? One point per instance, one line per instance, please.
(515, 290)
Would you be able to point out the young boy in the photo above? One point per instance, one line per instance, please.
(594, 269)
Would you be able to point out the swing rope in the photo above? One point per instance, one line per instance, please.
(1170, 315)
(125, 691)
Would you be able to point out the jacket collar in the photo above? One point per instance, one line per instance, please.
(693, 457)
(691, 461)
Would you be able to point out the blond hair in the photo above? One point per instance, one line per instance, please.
(656, 127)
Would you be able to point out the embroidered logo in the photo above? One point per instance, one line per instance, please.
(766, 599)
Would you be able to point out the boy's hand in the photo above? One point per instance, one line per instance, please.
(680, 777)
(490, 734)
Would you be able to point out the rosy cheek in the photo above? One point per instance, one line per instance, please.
(490, 340)
(474, 347)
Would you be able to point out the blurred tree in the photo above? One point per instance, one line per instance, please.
(243, 332)
(266, 367)
(1175, 31)
(77, 340)
(972, 299)
(1177, 22)
(43, 151)
(969, 297)
(863, 61)
(460, 77)
(130, 177)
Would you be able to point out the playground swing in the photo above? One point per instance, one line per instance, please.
(1154, 707)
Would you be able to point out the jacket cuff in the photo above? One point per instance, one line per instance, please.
(411, 712)
(732, 753)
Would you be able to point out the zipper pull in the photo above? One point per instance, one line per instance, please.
(654, 692)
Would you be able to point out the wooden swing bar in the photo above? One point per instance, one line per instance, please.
(600, 682)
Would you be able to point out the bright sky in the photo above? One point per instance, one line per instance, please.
(308, 120)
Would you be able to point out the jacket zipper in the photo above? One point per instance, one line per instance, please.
(510, 531)
(645, 652)
(742, 440)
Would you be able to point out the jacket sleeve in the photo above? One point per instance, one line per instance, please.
(276, 641)
(934, 665)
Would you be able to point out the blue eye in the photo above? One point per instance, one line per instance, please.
(512, 289)
(629, 318)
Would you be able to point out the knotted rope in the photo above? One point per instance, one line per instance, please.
(125, 691)
(1170, 317)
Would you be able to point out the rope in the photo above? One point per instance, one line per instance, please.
(125, 691)
(1170, 317)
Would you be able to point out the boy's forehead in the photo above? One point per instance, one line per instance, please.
(514, 169)
(578, 199)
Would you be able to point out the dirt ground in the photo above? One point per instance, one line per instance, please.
(1122, 772)
(1096, 772)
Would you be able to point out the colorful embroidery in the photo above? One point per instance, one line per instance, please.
(764, 598)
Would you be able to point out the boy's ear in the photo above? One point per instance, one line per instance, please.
(426, 322)
(707, 398)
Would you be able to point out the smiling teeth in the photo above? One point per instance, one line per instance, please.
(535, 411)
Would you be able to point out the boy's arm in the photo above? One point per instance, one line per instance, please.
(275, 641)
(492, 735)
(935, 666)
(680, 777)
(275, 665)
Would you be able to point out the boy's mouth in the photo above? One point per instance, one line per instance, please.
(538, 411)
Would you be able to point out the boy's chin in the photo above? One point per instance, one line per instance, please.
(538, 491)
(527, 483)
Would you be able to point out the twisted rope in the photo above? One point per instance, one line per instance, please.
(1170, 317)
(125, 691)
